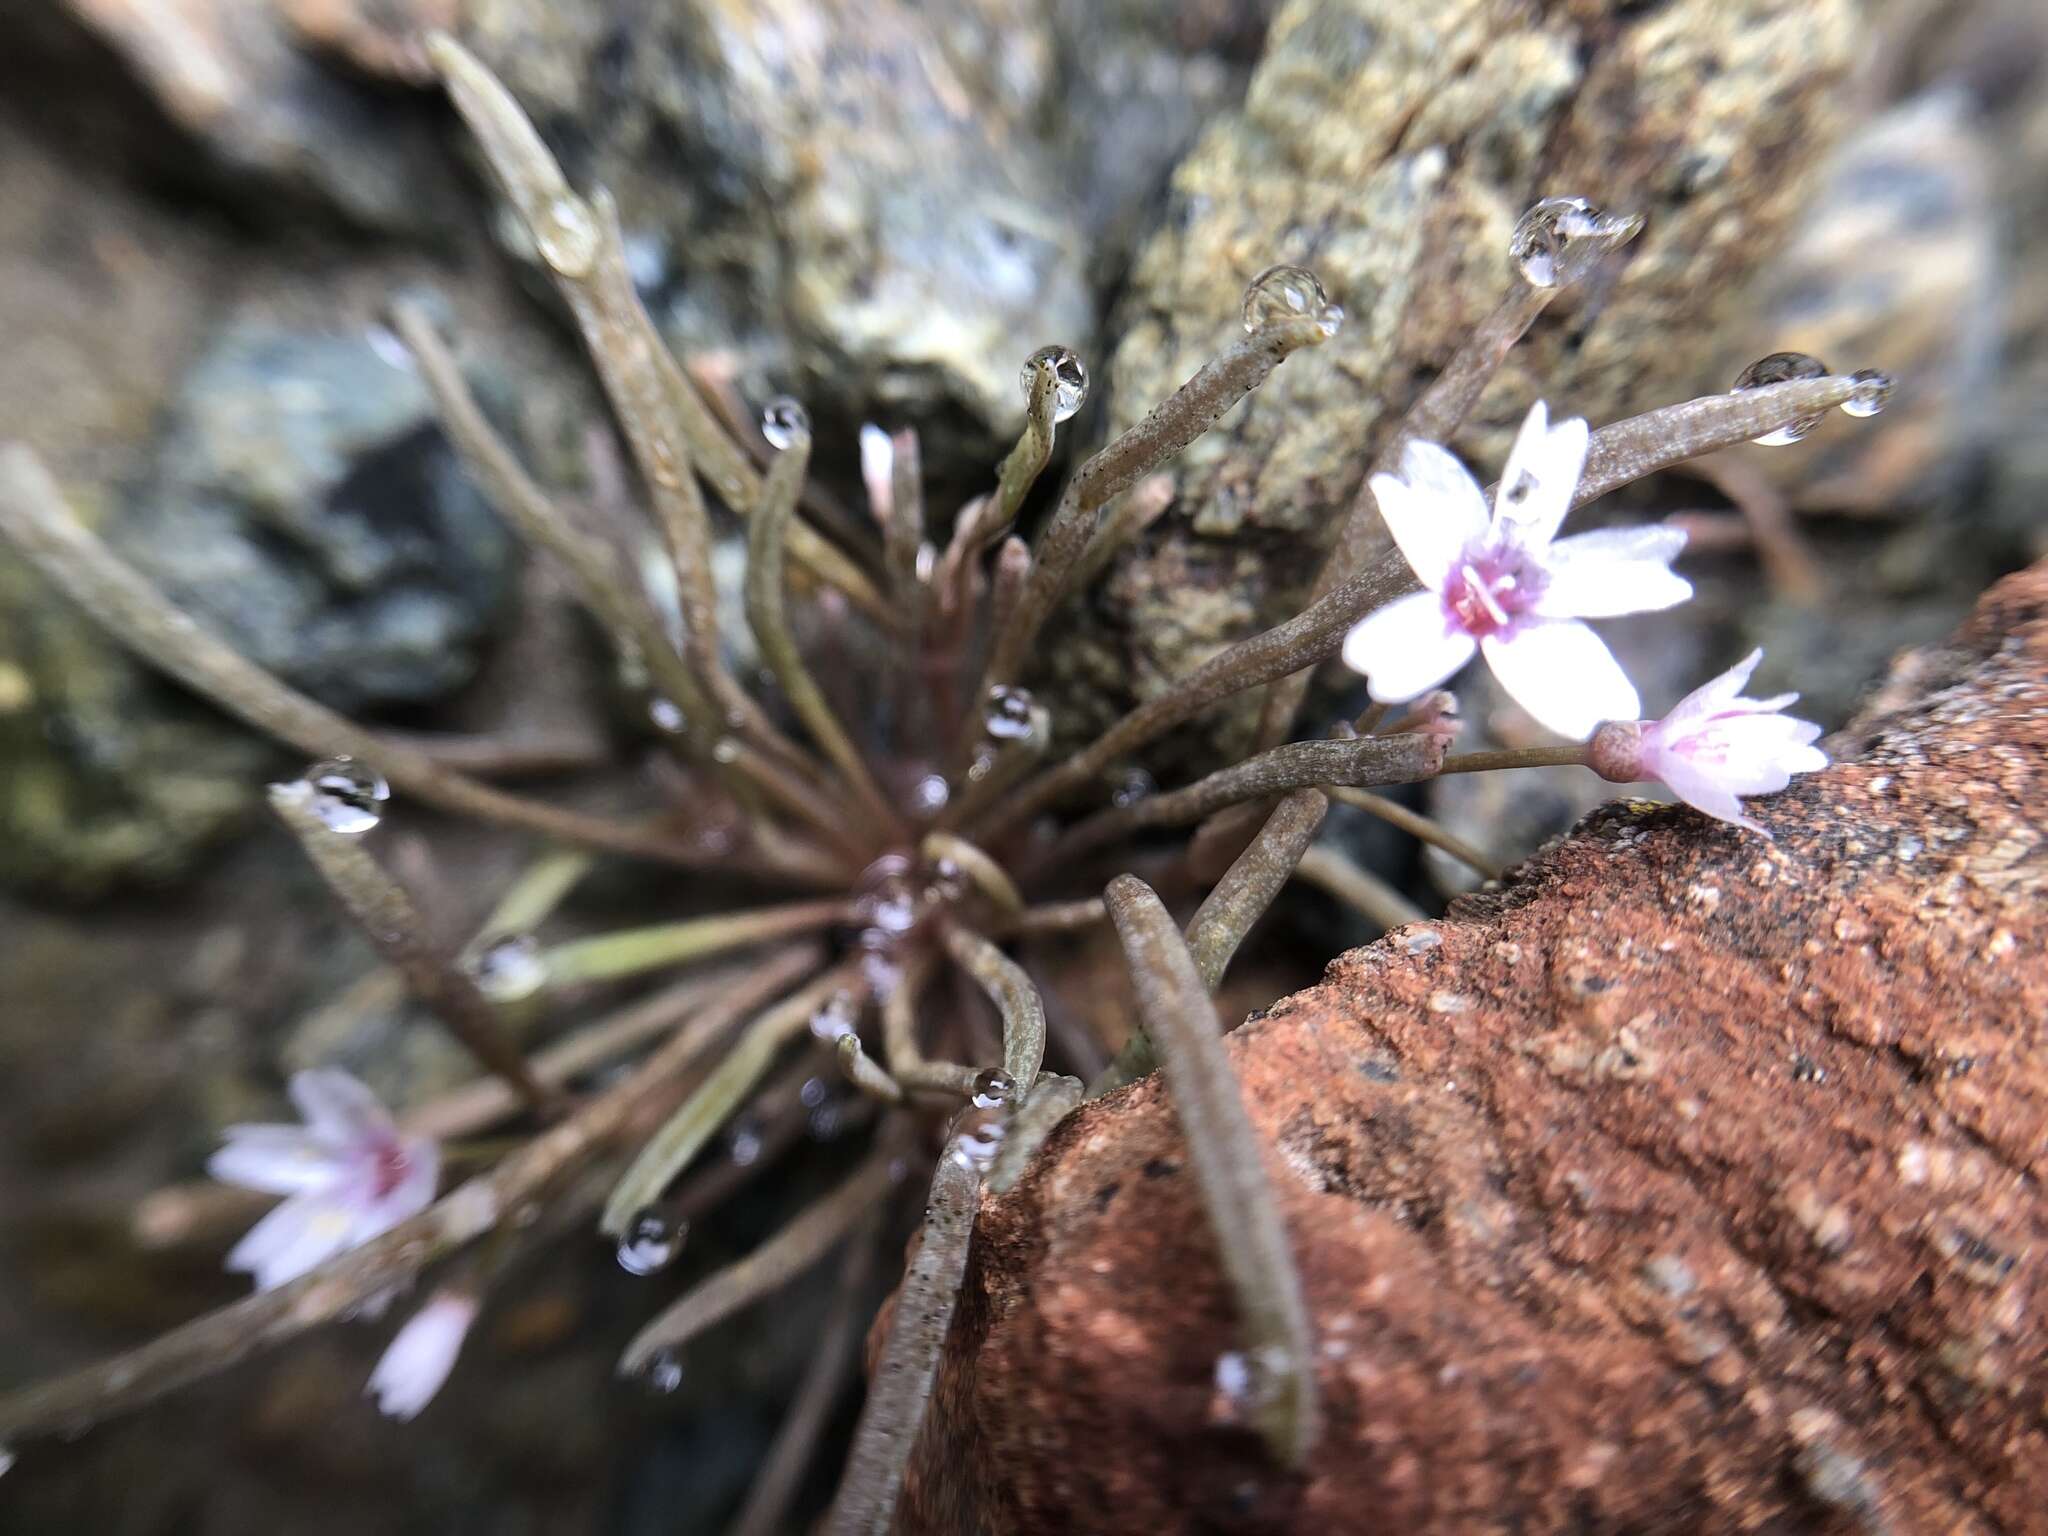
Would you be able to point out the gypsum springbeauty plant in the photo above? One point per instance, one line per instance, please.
(902, 894)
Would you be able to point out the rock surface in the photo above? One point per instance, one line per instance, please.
(1390, 148)
(1687, 1181)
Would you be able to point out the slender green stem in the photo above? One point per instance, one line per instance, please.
(1220, 924)
(989, 877)
(1051, 1100)
(1010, 988)
(803, 1242)
(1420, 827)
(531, 898)
(1436, 414)
(766, 598)
(906, 1058)
(672, 1147)
(1298, 764)
(864, 1072)
(1307, 638)
(1122, 521)
(634, 951)
(824, 1380)
(1057, 917)
(34, 518)
(1573, 756)
(1360, 889)
(1627, 450)
(391, 922)
(1175, 422)
(1228, 1159)
(582, 254)
(996, 766)
(902, 1384)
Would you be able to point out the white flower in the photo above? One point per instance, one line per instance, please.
(1508, 587)
(421, 1354)
(1714, 747)
(348, 1172)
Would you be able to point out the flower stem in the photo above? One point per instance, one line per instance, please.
(1519, 757)
(1418, 826)
(632, 951)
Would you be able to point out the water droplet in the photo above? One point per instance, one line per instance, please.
(1872, 390)
(785, 422)
(1781, 368)
(834, 1019)
(664, 1373)
(744, 1142)
(347, 797)
(813, 1092)
(652, 1241)
(567, 236)
(389, 349)
(993, 1088)
(1282, 293)
(510, 969)
(6, 1461)
(1560, 238)
(826, 1120)
(725, 750)
(1008, 716)
(978, 1137)
(666, 715)
(1069, 379)
(1248, 1381)
(1132, 786)
(930, 794)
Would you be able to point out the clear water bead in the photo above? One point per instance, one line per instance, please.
(664, 1373)
(1870, 393)
(1282, 293)
(1782, 368)
(567, 236)
(993, 1088)
(1133, 785)
(651, 1242)
(785, 422)
(1560, 238)
(928, 796)
(347, 797)
(835, 1019)
(510, 969)
(979, 1137)
(1008, 716)
(1069, 379)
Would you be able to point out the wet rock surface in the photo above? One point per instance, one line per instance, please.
(1390, 148)
(306, 507)
(1686, 1179)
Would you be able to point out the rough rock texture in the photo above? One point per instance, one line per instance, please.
(1690, 1181)
(1390, 148)
(880, 206)
(306, 506)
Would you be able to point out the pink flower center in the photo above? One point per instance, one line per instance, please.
(392, 1165)
(1490, 588)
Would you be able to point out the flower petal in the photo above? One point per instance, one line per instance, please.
(1542, 472)
(1711, 697)
(338, 1108)
(276, 1159)
(421, 1354)
(1707, 795)
(1433, 508)
(1563, 674)
(303, 1232)
(1613, 571)
(1406, 648)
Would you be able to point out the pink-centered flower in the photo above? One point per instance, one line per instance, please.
(347, 1172)
(421, 1354)
(1507, 587)
(1714, 746)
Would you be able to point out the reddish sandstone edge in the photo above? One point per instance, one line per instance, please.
(1687, 1182)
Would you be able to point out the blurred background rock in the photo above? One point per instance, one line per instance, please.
(882, 207)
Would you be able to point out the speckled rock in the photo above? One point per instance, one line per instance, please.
(1689, 1181)
(1390, 148)
(883, 207)
(307, 507)
(246, 101)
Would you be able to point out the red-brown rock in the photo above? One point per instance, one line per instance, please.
(1688, 1182)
